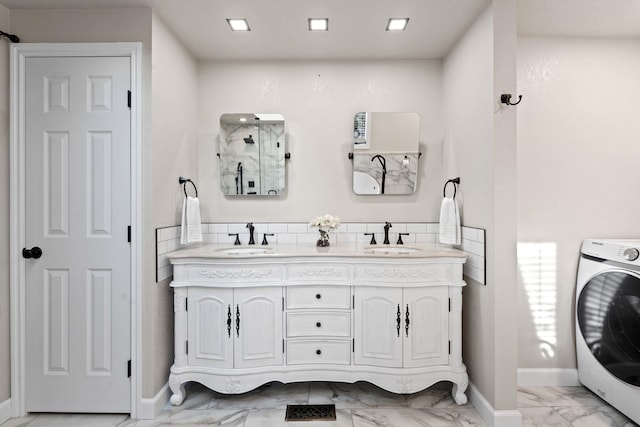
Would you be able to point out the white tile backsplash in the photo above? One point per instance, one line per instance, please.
(168, 239)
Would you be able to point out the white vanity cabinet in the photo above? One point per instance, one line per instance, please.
(401, 327)
(243, 321)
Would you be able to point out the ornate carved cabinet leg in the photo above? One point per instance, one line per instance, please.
(178, 391)
(457, 392)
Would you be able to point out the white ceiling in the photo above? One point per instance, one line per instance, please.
(279, 28)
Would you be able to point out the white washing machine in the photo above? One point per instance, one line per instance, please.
(608, 322)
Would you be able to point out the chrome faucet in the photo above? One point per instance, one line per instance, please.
(251, 228)
(387, 226)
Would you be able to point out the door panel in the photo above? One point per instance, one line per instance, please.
(210, 336)
(77, 188)
(427, 340)
(259, 336)
(377, 331)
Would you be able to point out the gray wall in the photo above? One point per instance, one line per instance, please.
(578, 151)
(318, 100)
(480, 148)
(175, 115)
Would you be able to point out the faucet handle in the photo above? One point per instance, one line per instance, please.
(237, 242)
(373, 238)
(400, 242)
(264, 238)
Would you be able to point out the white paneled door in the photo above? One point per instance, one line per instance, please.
(78, 293)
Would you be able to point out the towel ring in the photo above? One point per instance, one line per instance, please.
(454, 181)
(184, 181)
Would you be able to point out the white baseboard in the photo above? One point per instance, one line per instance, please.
(150, 408)
(5, 410)
(547, 377)
(493, 418)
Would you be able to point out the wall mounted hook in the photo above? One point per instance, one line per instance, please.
(505, 98)
(12, 38)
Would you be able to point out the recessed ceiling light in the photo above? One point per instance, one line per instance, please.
(318, 24)
(397, 24)
(239, 24)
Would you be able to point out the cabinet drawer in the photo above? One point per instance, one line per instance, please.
(315, 324)
(336, 352)
(318, 297)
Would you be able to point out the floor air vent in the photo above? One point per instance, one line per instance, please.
(310, 413)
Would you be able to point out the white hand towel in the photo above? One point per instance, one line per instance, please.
(191, 230)
(450, 233)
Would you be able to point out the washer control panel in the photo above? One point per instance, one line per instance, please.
(626, 251)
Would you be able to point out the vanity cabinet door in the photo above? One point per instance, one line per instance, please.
(378, 326)
(398, 327)
(426, 340)
(210, 342)
(239, 328)
(258, 327)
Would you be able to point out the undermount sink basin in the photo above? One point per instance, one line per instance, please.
(244, 251)
(391, 250)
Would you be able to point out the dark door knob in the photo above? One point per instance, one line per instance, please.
(35, 252)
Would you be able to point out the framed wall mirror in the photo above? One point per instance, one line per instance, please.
(385, 152)
(252, 154)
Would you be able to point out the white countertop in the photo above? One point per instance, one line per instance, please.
(411, 251)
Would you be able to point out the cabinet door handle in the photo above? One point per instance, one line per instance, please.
(406, 322)
(237, 320)
(398, 320)
(229, 320)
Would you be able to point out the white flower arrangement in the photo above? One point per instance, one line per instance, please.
(325, 224)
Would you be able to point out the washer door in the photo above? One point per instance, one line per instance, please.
(608, 311)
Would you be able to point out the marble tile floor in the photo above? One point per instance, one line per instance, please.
(357, 405)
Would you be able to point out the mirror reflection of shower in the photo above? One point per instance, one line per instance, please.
(239, 183)
(252, 154)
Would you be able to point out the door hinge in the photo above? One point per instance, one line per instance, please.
(129, 99)
(129, 369)
(353, 345)
(129, 233)
(186, 347)
(449, 347)
(449, 305)
(282, 303)
(353, 302)
(186, 304)
(283, 346)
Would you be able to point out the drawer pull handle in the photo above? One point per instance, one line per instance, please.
(318, 296)
(318, 352)
(318, 324)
